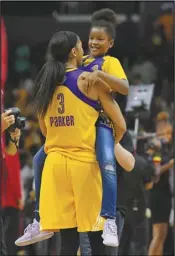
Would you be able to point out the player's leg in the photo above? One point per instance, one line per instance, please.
(32, 232)
(57, 207)
(87, 187)
(69, 241)
(96, 242)
(106, 159)
(87, 190)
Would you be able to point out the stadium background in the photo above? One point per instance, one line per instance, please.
(144, 45)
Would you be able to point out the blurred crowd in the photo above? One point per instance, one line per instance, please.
(147, 59)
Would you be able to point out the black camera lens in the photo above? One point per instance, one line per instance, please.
(20, 122)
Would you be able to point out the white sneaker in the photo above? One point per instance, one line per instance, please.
(32, 234)
(110, 236)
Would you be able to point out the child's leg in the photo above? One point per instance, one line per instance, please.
(38, 164)
(107, 163)
(106, 159)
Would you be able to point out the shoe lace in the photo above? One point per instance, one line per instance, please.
(29, 227)
(111, 228)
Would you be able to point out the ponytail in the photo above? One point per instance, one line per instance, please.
(51, 74)
(53, 71)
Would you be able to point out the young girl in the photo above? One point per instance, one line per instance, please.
(101, 39)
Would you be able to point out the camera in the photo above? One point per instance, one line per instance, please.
(19, 121)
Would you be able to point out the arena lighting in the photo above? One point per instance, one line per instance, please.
(87, 18)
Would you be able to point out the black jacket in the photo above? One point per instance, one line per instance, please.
(131, 184)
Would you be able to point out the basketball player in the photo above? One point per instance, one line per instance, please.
(102, 35)
(67, 117)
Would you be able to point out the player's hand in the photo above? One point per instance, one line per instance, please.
(90, 80)
(7, 120)
(16, 135)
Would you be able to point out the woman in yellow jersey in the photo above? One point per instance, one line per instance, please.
(102, 36)
(71, 180)
(103, 32)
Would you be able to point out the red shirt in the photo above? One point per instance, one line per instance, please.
(2, 134)
(11, 187)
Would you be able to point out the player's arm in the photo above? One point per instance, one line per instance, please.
(116, 84)
(111, 108)
(113, 74)
(42, 126)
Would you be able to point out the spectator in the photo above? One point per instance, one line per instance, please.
(166, 21)
(26, 173)
(134, 240)
(160, 197)
(11, 198)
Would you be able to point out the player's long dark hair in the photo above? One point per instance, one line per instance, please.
(107, 19)
(53, 71)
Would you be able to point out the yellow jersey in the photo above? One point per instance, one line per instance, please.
(70, 121)
(108, 64)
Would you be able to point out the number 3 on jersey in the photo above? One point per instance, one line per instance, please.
(60, 98)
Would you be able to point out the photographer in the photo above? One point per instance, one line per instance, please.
(7, 120)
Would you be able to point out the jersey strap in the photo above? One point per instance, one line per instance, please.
(71, 83)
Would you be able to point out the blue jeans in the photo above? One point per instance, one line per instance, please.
(106, 160)
(85, 247)
(38, 164)
(107, 163)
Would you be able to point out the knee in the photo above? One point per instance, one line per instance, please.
(109, 167)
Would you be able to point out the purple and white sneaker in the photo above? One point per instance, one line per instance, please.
(32, 234)
(110, 236)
